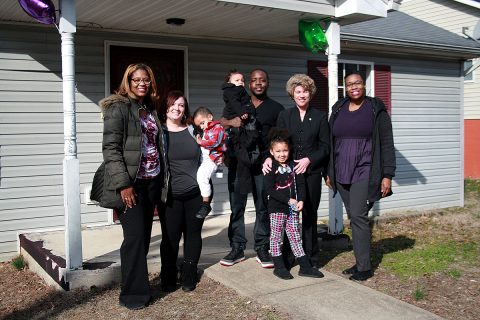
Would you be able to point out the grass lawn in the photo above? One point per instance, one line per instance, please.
(431, 260)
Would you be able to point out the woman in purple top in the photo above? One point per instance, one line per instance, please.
(362, 164)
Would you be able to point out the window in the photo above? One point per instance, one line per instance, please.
(468, 77)
(378, 81)
(346, 68)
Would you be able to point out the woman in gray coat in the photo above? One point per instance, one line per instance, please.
(136, 172)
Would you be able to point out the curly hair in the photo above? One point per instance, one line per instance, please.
(278, 135)
(231, 73)
(302, 80)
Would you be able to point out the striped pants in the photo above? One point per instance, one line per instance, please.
(289, 223)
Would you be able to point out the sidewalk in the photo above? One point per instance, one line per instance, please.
(331, 298)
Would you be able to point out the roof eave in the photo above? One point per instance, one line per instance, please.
(447, 50)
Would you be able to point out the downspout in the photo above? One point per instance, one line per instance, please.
(71, 166)
(335, 209)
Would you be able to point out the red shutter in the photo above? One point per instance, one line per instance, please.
(318, 71)
(383, 85)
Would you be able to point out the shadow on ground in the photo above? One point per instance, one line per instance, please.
(379, 249)
(389, 245)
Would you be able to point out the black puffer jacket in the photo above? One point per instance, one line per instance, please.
(383, 157)
(122, 144)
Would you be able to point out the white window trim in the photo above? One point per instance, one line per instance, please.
(109, 43)
(370, 78)
(473, 72)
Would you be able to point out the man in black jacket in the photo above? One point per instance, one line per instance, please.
(266, 112)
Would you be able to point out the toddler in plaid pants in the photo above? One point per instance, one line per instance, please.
(286, 192)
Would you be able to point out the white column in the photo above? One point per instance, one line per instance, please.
(71, 166)
(335, 209)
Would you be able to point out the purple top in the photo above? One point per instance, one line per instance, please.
(352, 132)
(150, 163)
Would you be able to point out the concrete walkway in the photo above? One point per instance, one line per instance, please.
(330, 298)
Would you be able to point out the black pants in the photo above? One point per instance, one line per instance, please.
(137, 228)
(177, 219)
(354, 197)
(313, 184)
(238, 203)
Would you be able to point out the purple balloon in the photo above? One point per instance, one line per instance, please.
(41, 10)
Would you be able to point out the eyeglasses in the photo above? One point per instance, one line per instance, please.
(137, 81)
(354, 84)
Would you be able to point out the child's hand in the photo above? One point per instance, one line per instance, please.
(244, 116)
(299, 205)
(199, 139)
(292, 202)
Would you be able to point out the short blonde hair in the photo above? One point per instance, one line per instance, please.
(302, 80)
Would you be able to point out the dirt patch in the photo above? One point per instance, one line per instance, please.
(27, 297)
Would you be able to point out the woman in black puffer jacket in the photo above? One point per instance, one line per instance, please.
(136, 174)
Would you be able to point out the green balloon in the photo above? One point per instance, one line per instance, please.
(311, 35)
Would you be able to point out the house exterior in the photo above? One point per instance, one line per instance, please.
(458, 17)
(409, 74)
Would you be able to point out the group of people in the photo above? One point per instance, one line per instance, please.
(154, 158)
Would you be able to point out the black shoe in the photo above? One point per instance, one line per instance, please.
(350, 270)
(168, 287)
(133, 306)
(306, 268)
(280, 270)
(189, 276)
(361, 275)
(205, 209)
(264, 258)
(235, 256)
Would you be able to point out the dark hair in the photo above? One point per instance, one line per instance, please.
(278, 135)
(173, 96)
(204, 111)
(261, 70)
(354, 73)
(230, 73)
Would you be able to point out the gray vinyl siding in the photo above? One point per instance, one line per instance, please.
(427, 124)
(425, 109)
(446, 14)
(452, 16)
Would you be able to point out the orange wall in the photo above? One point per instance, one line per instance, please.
(472, 148)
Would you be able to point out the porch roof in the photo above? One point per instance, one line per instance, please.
(399, 29)
(261, 21)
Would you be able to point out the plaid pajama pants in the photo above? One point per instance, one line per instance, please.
(289, 223)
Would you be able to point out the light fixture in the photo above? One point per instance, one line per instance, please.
(175, 21)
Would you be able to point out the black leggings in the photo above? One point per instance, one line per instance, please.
(177, 219)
